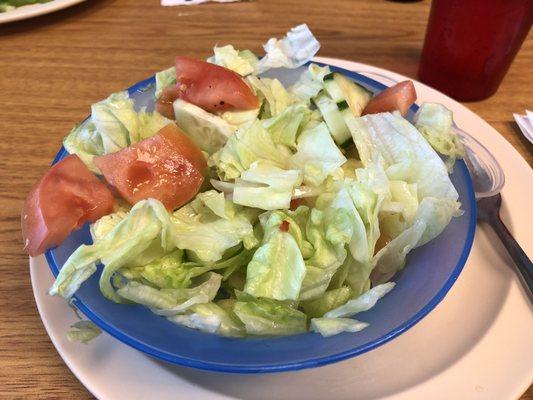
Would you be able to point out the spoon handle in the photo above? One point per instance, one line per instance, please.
(523, 263)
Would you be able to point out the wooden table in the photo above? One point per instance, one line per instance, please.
(52, 68)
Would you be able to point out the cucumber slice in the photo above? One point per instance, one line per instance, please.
(333, 118)
(334, 90)
(342, 105)
(355, 95)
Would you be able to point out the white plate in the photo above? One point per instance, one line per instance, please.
(475, 345)
(34, 10)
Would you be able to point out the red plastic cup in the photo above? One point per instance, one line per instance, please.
(470, 45)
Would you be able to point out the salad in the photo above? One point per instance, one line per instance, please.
(8, 5)
(241, 206)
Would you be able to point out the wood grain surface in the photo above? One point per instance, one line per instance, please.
(52, 68)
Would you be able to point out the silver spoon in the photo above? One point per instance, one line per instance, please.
(488, 179)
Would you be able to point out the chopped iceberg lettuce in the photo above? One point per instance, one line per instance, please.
(198, 229)
(362, 303)
(435, 122)
(294, 50)
(268, 317)
(317, 155)
(163, 79)
(207, 130)
(241, 62)
(112, 126)
(266, 186)
(244, 148)
(333, 326)
(83, 332)
(210, 318)
(277, 268)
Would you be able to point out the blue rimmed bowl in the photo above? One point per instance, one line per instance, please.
(430, 273)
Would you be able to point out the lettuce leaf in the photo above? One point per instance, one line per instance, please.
(277, 268)
(330, 300)
(211, 318)
(294, 50)
(317, 155)
(241, 62)
(310, 82)
(404, 153)
(434, 121)
(199, 229)
(325, 260)
(170, 302)
(163, 79)
(83, 331)
(113, 125)
(244, 148)
(268, 317)
(362, 303)
(272, 94)
(333, 326)
(210, 132)
(145, 234)
(266, 186)
(284, 127)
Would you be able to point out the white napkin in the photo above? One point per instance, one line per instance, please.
(191, 2)
(525, 123)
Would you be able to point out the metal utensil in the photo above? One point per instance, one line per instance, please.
(488, 179)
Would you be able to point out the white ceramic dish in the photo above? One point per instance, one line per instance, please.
(34, 10)
(474, 345)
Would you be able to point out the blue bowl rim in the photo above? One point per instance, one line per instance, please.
(316, 362)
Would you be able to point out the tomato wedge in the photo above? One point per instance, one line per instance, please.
(65, 198)
(168, 167)
(209, 86)
(398, 97)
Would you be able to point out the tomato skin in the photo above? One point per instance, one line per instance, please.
(168, 167)
(66, 197)
(208, 86)
(164, 104)
(398, 97)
